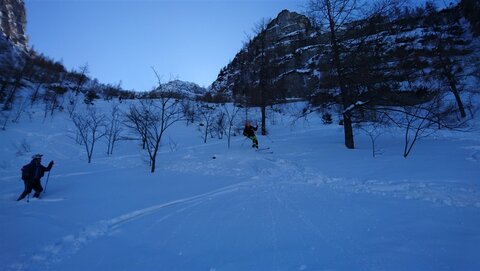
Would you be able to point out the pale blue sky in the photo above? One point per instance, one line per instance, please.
(121, 39)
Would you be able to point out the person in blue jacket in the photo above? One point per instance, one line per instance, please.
(31, 175)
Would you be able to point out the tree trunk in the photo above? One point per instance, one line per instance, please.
(348, 131)
(461, 108)
(345, 93)
(3, 90)
(153, 165)
(264, 119)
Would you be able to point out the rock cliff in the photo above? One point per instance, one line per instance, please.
(13, 22)
(280, 54)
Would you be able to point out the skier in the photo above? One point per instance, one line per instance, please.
(31, 174)
(249, 132)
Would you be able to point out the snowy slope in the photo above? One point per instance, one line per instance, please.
(309, 205)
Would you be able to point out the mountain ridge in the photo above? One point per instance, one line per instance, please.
(291, 39)
(299, 59)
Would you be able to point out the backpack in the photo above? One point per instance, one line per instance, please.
(26, 172)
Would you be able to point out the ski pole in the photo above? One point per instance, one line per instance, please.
(243, 142)
(269, 139)
(28, 197)
(46, 183)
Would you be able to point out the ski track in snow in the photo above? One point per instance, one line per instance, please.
(274, 169)
(282, 170)
(451, 194)
(69, 245)
(475, 157)
(268, 173)
(273, 231)
(263, 179)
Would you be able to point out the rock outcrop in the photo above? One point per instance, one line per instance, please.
(13, 22)
(281, 55)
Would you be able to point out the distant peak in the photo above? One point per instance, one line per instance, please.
(287, 15)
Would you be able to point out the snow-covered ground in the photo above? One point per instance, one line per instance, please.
(310, 205)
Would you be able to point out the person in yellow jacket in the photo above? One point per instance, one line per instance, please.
(249, 132)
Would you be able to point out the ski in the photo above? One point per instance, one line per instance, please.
(264, 150)
(44, 200)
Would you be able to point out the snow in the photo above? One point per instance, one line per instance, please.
(312, 204)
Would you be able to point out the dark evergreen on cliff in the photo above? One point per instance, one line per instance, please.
(417, 59)
(386, 59)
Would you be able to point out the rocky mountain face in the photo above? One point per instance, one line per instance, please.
(282, 53)
(380, 57)
(13, 22)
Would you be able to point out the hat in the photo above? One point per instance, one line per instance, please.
(37, 156)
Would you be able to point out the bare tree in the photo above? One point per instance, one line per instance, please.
(450, 51)
(14, 114)
(206, 116)
(72, 103)
(4, 118)
(8, 68)
(18, 109)
(150, 120)
(18, 76)
(137, 119)
(422, 120)
(230, 116)
(80, 78)
(188, 110)
(374, 128)
(42, 80)
(90, 128)
(219, 125)
(114, 128)
(51, 99)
